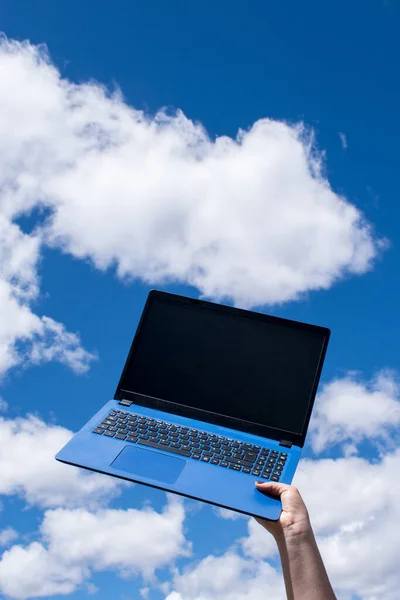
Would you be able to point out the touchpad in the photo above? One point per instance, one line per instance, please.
(147, 463)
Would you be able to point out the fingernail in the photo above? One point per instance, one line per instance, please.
(260, 482)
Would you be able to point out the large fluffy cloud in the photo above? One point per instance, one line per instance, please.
(75, 543)
(28, 467)
(251, 219)
(353, 410)
(228, 577)
(24, 336)
(354, 503)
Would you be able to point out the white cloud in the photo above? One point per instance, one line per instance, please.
(24, 336)
(343, 140)
(257, 544)
(228, 577)
(225, 513)
(3, 405)
(28, 572)
(353, 410)
(75, 543)
(28, 467)
(353, 504)
(7, 536)
(252, 219)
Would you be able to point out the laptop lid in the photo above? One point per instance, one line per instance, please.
(231, 367)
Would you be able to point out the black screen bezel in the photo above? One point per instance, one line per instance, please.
(206, 416)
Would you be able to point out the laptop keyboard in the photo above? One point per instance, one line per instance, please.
(215, 450)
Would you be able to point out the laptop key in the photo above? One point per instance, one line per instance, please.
(166, 448)
(274, 478)
(130, 438)
(250, 456)
(109, 433)
(214, 462)
(120, 436)
(223, 464)
(196, 456)
(235, 467)
(265, 475)
(98, 430)
(246, 470)
(238, 461)
(256, 472)
(163, 442)
(205, 459)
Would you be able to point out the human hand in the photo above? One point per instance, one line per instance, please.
(294, 518)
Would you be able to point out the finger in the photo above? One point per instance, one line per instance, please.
(272, 487)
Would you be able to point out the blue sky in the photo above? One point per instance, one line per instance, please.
(100, 203)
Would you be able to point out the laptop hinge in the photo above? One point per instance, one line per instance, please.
(286, 443)
(125, 402)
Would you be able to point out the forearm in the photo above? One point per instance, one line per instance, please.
(303, 570)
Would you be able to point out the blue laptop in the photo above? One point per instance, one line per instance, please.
(211, 399)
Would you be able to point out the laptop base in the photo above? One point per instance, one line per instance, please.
(225, 488)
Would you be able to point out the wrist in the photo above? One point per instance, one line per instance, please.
(297, 532)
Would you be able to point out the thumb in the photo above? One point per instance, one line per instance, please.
(274, 488)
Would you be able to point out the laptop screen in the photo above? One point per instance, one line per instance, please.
(261, 370)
